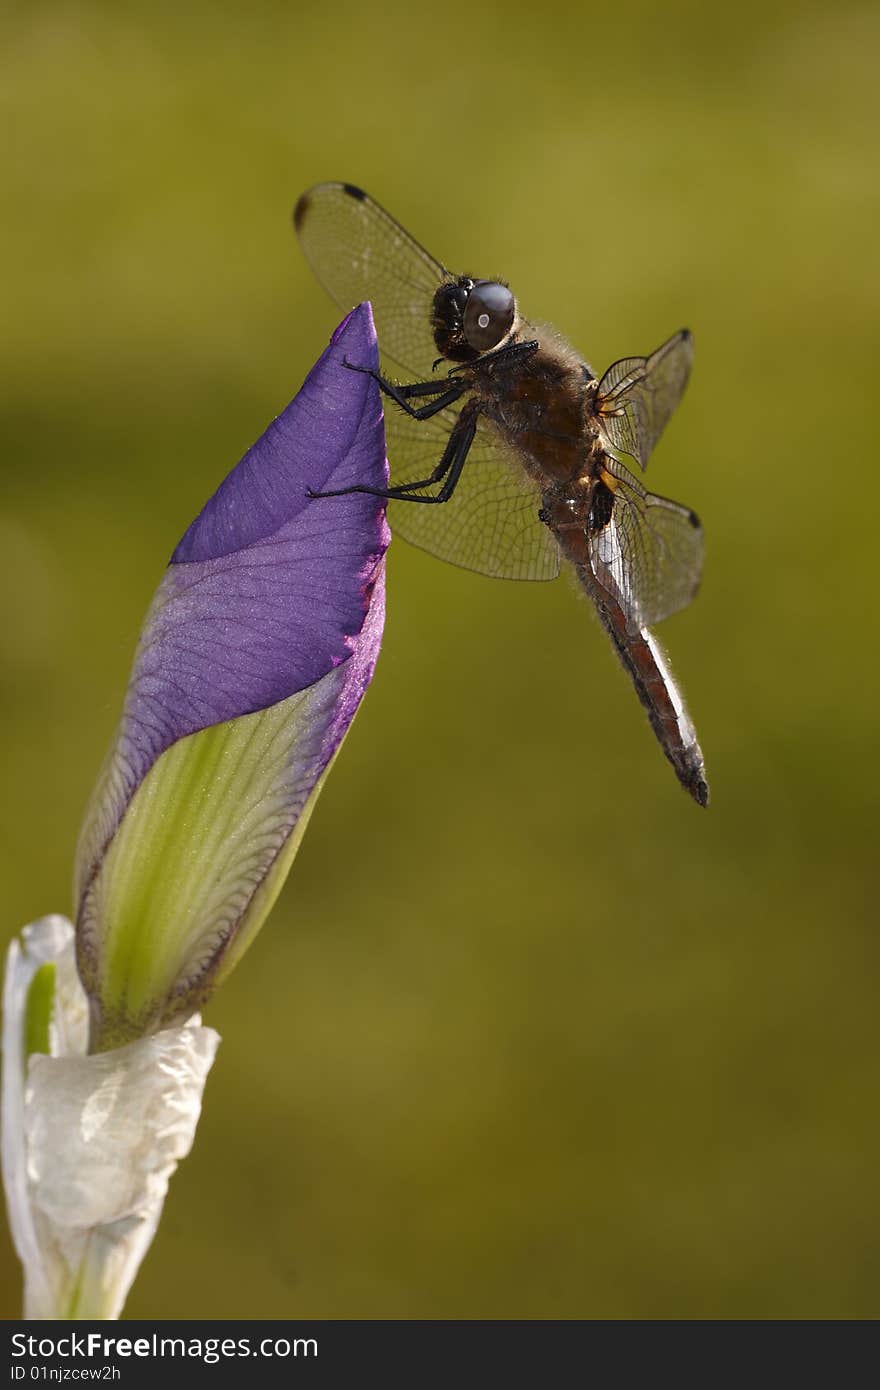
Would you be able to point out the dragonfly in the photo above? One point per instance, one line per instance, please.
(517, 456)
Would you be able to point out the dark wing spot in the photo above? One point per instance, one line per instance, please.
(354, 192)
(694, 520)
(303, 203)
(601, 507)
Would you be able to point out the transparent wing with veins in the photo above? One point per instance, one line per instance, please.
(358, 251)
(637, 395)
(490, 523)
(649, 556)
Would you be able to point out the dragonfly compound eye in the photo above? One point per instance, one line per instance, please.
(488, 315)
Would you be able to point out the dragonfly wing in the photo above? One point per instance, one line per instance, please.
(491, 522)
(358, 251)
(637, 395)
(649, 556)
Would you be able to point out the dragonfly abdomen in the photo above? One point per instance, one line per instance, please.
(644, 659)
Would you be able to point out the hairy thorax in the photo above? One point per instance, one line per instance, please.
(542, 406)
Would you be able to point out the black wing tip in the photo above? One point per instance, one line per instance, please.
(694, 520)
(303, 203)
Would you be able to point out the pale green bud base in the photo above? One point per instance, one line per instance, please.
(199, 858)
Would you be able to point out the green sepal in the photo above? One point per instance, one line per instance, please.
(38, 1010)
(201, 854)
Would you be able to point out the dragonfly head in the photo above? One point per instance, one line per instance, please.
(472, 317)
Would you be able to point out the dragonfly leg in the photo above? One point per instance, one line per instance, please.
(445, 392)
(449, 468)
(450, 465)
(511, 352)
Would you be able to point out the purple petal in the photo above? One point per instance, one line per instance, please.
(269, 589)
(330, 436)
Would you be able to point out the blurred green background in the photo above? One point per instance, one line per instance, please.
(528, 1034)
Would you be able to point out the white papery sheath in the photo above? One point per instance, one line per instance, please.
(89, 1143)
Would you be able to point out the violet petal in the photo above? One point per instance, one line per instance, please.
(268, 589)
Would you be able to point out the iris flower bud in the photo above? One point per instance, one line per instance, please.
(253, 659)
